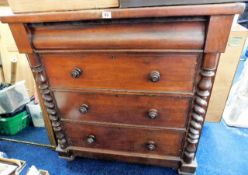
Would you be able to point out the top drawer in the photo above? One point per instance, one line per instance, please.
(121, 34)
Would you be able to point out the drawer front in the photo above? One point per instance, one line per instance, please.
(161, 142)
(162, 72)
(156, 110)
(123, 34)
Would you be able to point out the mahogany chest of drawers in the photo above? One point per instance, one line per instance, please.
(127, 84)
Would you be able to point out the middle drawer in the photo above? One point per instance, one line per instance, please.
(151, 110)
(132, 71)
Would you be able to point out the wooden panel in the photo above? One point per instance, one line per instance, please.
(120, 35)
(192, 10)
(158, 160)
(211, 61)
(127, 109)
(22, 37)
(218, 32)
(122, 71)
(168, 142)
(23, 6)
(149, 3)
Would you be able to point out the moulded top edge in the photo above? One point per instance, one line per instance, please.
(124, 13)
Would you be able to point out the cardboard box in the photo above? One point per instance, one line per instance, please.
(11, 166)
(225, 73)
(24, 6)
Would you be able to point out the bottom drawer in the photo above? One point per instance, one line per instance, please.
(139, 140)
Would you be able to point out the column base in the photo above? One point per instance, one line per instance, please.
(67, 157)
(65, 154)
(188, 168)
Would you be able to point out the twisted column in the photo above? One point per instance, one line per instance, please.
(49, 103)
(199, 109)
(198, 113)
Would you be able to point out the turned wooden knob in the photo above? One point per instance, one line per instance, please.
(155, 76)
(91, 139)
(151, 146)
(153, 113)
(76, 73)
(84, 109)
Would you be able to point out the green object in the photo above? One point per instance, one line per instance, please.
(13, 125)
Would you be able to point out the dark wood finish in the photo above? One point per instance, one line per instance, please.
(149, 3)
(21, 37)
(122, 71)
(48, 103)
(211, 61)
(34, 62)
(149, 34)
(47, 122)
(217, 35)
(131, 139)
(135, 87)
(126, 109)
(198, 113)
(186, 168)
(158, 160)
(203, 92)
(192, 10)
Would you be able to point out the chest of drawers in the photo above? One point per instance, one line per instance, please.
(133, 87)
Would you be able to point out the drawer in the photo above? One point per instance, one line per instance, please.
(150, 110)
(140, 71)
(139, 140)
(119, 34)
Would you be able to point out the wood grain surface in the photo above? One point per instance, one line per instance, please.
(122, 71)
(178, 50)
(168, 142)
(124, 109)
(192, 10)
(149, 34)
(125, 156)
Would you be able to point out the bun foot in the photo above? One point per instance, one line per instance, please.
(188, 168)
(65, 154)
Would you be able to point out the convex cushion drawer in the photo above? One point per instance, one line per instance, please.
(136, 109)
(140, 140)
(139, 71)
(146, 34)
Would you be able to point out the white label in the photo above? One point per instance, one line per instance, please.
(106, 15)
